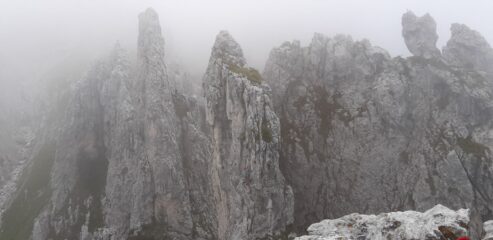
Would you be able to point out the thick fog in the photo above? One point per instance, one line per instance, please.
(36, 36)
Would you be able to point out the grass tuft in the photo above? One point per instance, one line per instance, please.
(250, 73)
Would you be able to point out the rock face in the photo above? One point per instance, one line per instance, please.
(252, 199)
(467, 48)
(134, 158)
(129, 160)
(435, 224)
(488, 230)
(345, 128)
(16, 143)
(362, 132)
(18, 123)
(420, 35)
(319, 157)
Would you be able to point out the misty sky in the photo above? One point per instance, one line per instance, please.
(35, 35)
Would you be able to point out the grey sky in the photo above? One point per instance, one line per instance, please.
(36, 34)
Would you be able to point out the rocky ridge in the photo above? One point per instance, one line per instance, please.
(436, 223)
(420, 35)
(364, 132)
(115, 167)
(468, 49)
(131, 155)
(336, 127)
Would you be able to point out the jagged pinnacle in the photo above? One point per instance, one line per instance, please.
(227, 49)
(151, 42)
(420, 35)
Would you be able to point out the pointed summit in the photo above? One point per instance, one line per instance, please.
(151, 42)
(117, 53)
(420, 35)
(245, 156)
(152, 67)
(468, 48)
(227, 49)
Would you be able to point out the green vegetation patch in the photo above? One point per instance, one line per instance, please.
(32, 196)
(250, 73)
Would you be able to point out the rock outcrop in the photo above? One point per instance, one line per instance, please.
(319, 158)
(129, 160)
(251, 197)
(345, 128)
(134, 158)
(16, 143)
(488, 230)
(467, 48)
(19, 119)
(435, 224)
(420, 35)
(363, 132)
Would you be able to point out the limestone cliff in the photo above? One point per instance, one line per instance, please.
(119, 165)
(363, 132)
(250, 193)
(133, 150)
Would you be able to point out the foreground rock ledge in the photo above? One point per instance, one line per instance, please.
(437, 223)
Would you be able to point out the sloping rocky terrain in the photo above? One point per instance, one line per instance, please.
(129, 151)
(436, 223)
(364, 132)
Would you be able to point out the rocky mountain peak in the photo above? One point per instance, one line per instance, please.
(150, 42)
(331, 92)
(118, 53)
(345, 129)
(227, 49)
(420, 35)
(468, 48)
(153, 80)
(245, 143)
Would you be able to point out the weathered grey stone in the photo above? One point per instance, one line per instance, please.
(311, 112)
(362, 132)
(488, 230)
(119, 170)
(131, 155)
(420, 35)
(467, 48)
(251, 197)
(18, 124)
(435, 224)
